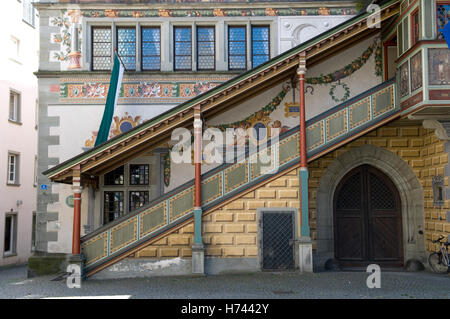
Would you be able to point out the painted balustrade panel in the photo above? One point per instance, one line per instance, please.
(123, 234)
(153, 218)
(344, 121)
(181, 204)
(211, 188)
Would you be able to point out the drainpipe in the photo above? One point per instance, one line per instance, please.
(305, 244)
(198, 249)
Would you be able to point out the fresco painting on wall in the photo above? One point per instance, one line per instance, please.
(121, 125)
(404, 80)
(416, 72)
(439, 66)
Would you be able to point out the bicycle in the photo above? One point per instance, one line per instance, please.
(440, 261)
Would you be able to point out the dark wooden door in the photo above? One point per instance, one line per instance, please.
(367, 219)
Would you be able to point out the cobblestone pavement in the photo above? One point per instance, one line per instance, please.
(14, 284)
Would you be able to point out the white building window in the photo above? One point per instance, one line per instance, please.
(10, 234)
(29, 13)
(14, 106)
(13, 169)
(14, 49)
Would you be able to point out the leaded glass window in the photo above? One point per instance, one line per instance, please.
(183, 48)
(442, 17)
(205, 48)
(415, 24)
(114, 177)
(260, 45)
(237, 48)
(113, 206)
(101, 48)
(139, 174)
(151, 49)
(126, 47)
(138, 199)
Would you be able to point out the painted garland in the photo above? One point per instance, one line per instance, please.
(352, 67)
(265, 111)
(346, 89)
(166, 160)
(379, 60)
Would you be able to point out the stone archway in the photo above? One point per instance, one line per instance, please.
(401, 174)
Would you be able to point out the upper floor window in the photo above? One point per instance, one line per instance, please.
(442, 17)
(183, 48)
(237, 48)
(13, 169)
(415, 29)
(205, 48)
(260, 45)
(126, 46)
(14, 49)
(29, 13)
(14, 106)
(151, 49)
(101, 48)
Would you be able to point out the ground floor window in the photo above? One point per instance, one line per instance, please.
(10, 234)
(138, 199)
(113, 206)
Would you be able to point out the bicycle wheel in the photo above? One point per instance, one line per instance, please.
(436, 263)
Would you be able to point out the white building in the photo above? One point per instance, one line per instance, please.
(18, 130)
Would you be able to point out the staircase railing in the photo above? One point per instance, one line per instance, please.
(325, 132)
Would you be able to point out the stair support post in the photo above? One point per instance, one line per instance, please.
(76, 258)
(198, 248)
(305, 243)
(77, 189)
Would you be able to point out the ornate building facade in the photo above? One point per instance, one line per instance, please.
(357, 175)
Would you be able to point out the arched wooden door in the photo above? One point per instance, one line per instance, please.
(367, 219)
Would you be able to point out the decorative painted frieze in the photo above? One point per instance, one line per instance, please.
(219, 12)
(149, 91)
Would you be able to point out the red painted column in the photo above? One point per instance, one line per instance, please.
(198, 157)
(198, 134)
(76, 234)
(301, 77)
(303, 176)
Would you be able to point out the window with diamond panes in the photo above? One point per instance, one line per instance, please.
(126, 47)
(442, 17)
(139, 174)
(260, 45)
(101, 48)
(151, 49)
(183, 48)
(205, 48)
(114, 177)
(237, 48)
(113, 206)
(138, 199)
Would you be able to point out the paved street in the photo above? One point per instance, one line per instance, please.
(14, 284)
